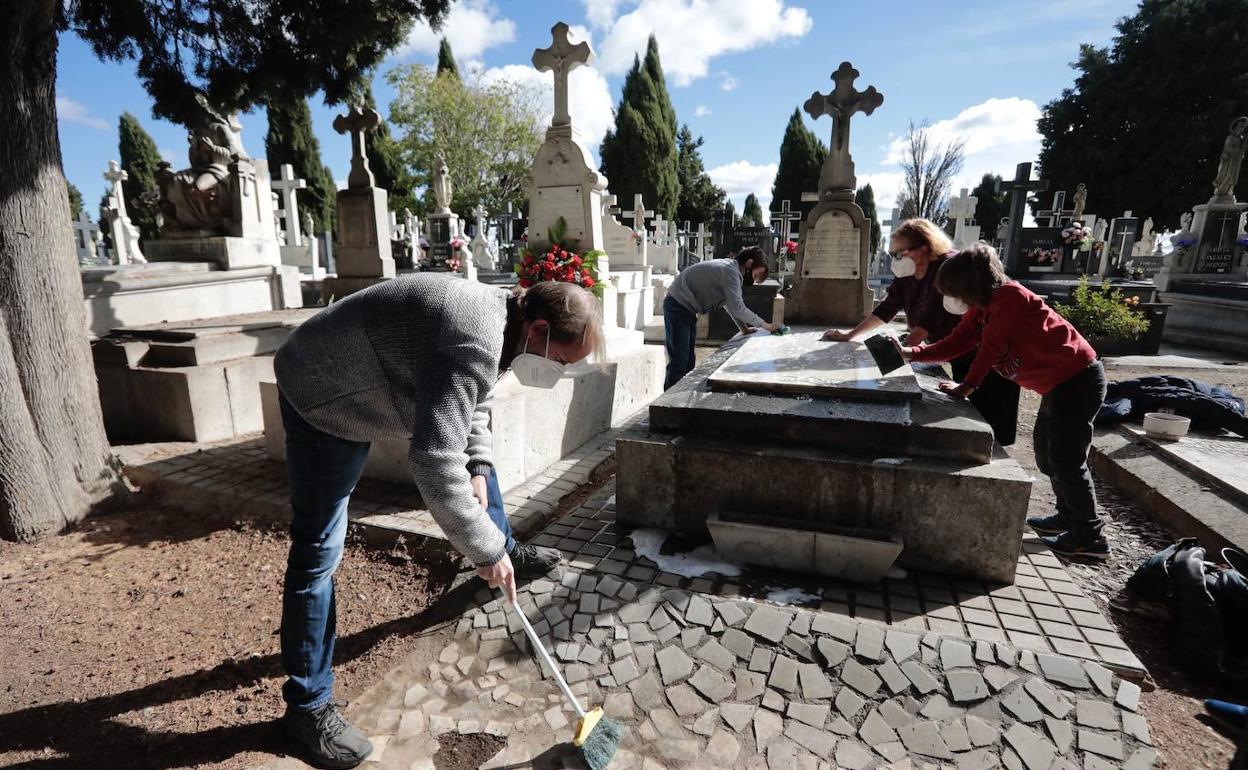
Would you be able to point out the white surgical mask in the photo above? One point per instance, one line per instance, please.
(903, 267)
(534, 371)
(955, 305)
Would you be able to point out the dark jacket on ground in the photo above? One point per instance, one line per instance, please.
(1208, 406)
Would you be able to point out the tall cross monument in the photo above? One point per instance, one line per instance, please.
(363, 253)
(841, 103)
(1019, 187)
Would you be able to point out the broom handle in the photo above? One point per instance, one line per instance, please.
(550, 664)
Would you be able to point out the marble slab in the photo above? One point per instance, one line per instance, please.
(801, 363)
(1222, 460)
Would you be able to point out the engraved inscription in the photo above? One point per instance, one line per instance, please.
(831, 248)
(566, 201)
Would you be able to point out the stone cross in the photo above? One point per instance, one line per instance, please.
(1018, 187)
(357, 122)
(841, 104)
(504, 221)
(639, 213)
(85, 232)
(124, 234)
(785, 218)
(660, 230)
(962, 209)
(285, 186)
(1057, 216)
(561, 58)
(608, 206)
(894, 219)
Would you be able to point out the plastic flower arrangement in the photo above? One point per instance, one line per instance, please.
(555, 261)
(1076, 233)
(790, 248)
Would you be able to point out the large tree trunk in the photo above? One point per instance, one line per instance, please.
(55, 462)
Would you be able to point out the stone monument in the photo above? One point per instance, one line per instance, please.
(962, 211)
(830, 285)
(220, 209)
(86, 239)
(362, 253)
(299, 246)
(564, 182)
(122, 232)
(1019, 187)
(443, 225)
(1080, 202)
(482, 257)
(1217, 254)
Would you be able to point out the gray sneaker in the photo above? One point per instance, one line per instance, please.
(331, 740)
(533, 561)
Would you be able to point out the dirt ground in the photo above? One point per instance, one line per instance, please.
(148, 639)
(1175, 708)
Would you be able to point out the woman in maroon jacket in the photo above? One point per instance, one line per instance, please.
(1014, 333)
(920, 248)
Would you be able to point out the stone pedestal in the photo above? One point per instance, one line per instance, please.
(1216, 257)
(363, 249)
(566, 184)
(443, 226)
(225, 251)
(830, 282)
(925, 470)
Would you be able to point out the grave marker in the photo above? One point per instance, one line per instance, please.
(1018, 187)
(363, 254)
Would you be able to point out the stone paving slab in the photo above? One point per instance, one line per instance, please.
(681, 711)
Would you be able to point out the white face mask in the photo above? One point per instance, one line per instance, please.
(955, 305)
(534, 371)
(903, 267)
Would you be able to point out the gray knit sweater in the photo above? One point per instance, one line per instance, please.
(412, 358)
(704, 286)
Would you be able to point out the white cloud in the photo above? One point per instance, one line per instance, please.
(741, 177)
(589, 98)
(886, 185)
(471, 27)
(692, 32)
(168, 155)
(601, 12)
(701, 111)
(727, 82)
(999, 134)
(71, 111)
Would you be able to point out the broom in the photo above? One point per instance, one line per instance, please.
(597, 736)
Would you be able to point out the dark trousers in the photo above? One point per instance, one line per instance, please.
(680, 330)
(996, 398)
(1062, 437)
(323, 471)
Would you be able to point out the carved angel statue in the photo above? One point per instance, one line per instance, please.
(442, 185)
(198, 198)
(1232, 158)
(1080, 200)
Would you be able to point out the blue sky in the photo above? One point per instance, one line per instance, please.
(735, 70)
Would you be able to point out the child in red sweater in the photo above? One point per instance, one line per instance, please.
(1024, 340)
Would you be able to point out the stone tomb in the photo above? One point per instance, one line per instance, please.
(801, 363)
(925, 469)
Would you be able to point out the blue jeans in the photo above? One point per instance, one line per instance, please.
(680, 329)
(323, 471)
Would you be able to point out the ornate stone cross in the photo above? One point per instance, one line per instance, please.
(285, 186)
(358, 122)
(785, 218)
(85, 231)
(840, 104)
(1056, 216)
(561, 58)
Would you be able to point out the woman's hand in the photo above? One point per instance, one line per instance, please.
(957, 390)
(502, 575)
(479, 491)
(835, 335)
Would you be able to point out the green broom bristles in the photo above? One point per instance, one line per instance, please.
(602, 743)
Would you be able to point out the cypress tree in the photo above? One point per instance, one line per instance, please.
(801, 161)
(75, 200)
(865, 198)
(752, 212)
(640, 155)
(989, 206)
(386, 162)
(700, 198)
(290, 140)
(446, 60)
(140, 159)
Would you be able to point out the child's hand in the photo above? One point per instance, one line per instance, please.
(957, 390)
(905, 352)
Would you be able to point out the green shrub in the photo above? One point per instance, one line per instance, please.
(1103, 313)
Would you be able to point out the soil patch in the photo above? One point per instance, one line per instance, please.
(1175, 708)
(466, 751)
(149, 638)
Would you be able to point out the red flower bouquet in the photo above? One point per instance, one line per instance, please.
(557, 262)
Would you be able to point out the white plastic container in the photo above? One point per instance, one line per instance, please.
(1165, 426)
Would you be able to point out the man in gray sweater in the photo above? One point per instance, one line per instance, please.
(702, 288)
(413, 358)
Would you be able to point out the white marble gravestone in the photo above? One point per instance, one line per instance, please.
(802, 363)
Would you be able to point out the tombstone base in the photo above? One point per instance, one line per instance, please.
(827, 302)
(226, 251)
(337, 287)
